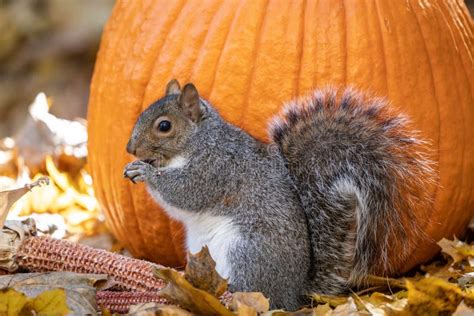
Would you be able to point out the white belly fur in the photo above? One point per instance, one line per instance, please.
(217, 232)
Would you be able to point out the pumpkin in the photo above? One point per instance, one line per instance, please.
(249, 57)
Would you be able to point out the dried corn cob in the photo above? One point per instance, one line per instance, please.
(41, 254)
(120, 302)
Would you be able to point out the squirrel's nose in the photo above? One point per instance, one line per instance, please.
(130, 148)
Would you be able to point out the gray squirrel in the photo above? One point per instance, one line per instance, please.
(316, 210)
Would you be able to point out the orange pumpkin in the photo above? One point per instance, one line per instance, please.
(248, 57)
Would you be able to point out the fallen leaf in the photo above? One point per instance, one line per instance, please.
(52, 302)
(463, 310)
(456, 249)
(245, 310)
(349, 308)
(181, 292)
(322, 310)
(432, 296)
(152, 309)
(11, 302)
(332, 300)
(7, 198)
(201, 273)
(256, 300)
(79, 289)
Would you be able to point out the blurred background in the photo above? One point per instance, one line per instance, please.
(50, 46)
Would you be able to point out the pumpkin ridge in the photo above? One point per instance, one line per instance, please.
(345, 46)
(111, 196)
(157, 54)
(382, 45)
(128, 194)
(433, 85)
(254, 57)
(178, 9)
(465, 40)
(203, 39)
(300, 49)
(231, 26)
(463, 117)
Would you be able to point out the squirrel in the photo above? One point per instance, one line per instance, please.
(315, 210)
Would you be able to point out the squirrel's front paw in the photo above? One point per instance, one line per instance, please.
(137, 171)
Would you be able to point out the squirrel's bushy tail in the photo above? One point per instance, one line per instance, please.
(362, 177)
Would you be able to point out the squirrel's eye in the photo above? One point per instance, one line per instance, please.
(164, 126)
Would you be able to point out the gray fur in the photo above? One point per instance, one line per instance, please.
(306, 212)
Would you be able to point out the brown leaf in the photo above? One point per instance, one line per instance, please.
(181, 292)
(152, 309)
(245, 310)
(449, 247)
(7, 198)
(349, 308)
(201, 273)
(332, 300)
(463, 310)
(79, 289)
(256, 300)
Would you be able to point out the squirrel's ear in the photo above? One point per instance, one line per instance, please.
(173, 87)
(189, 100)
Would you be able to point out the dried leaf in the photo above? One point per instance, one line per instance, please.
(349, 308)
(11, 237)
(455, 249)
(245, 310)
(52, 302)
(463, 310)
(12, 302)
(181, 292)
(373, 280)
(256, 300)
(152, 309)
(80, 293)
(201, 273)
(332, 300)
(7, 198)
(322, 310)
(433, 296)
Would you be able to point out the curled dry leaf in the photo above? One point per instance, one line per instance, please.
(463, 310)
(79, 289)
(11, 237)
(449, 247)
(7, 198)
(152, 309)
(255, 300)
(201, 273)
(181, 292)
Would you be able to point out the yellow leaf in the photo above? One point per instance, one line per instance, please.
(433, 296)
(7, 198)
(52, 302)
(181, 292)
(12, 302)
